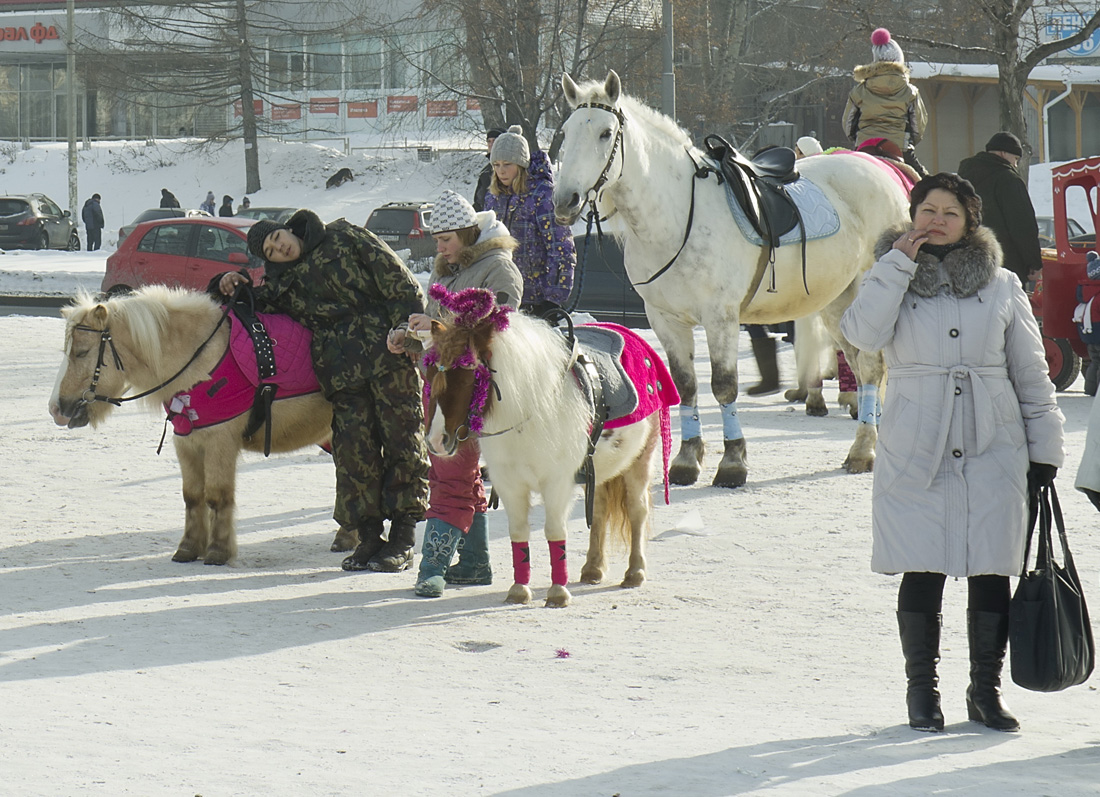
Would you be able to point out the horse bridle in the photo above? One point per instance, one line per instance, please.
(91, 394)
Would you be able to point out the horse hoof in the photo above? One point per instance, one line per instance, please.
(558, 597)
(816, 412)
(635, 579)
(591, 575)
(519, 594)
(345, 540)
(795, 394)
(859, 465)
(683, 475)
(216, 558)
(730, 477)
(184, 556)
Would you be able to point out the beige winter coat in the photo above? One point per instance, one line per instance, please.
(884, 104)
(486, 264)
(967, 406)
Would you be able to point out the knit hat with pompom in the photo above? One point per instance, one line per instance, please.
(884, 48)
(512, 147)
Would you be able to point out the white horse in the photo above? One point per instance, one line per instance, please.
(512, 380)
(639, 166)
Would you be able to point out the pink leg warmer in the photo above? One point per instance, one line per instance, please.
(521, 562)
(844, 375)
(559, 568)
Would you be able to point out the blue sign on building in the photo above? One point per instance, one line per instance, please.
(1064, 25)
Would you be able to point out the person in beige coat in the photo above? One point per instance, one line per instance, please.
(474, 251)
(884, 104)
(970, 425)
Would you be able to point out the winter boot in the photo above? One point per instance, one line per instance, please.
(473, 555)
(764, 350)
(440, 541)
(988, 634)
(397, 553)
(370, 543)
(920, 644)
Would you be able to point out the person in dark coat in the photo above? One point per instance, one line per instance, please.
(1006, 206)
(486, 176)
(168, 199)
(92, 216)
(227, 206)
(349, 289)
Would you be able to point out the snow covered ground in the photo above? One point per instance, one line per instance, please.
(761, 657)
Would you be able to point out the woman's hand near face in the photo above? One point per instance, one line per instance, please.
(909, 242)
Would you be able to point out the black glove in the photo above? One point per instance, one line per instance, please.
(1040, 475)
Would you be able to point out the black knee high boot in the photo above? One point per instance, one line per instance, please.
(920, 644)
(988, 635)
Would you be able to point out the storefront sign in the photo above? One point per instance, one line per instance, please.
(473, 104)
(1062, 26)
(257, 105)
(32, 34)
(441, 108)
(401, 104)
(324, 105)
(281, 113)
(363, 110)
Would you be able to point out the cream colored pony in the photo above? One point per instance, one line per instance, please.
(145, 340)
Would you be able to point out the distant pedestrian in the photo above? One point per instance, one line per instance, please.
(486, 176)
(227, 206)
(245, 204)
(209, 203)
(92, 216)
(168, 199)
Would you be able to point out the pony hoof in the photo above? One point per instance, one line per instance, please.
(216, 558)
(519, 594)
(183, 555)
(684, 475)
(815, 411)
(558, 597)
(795, 394)
(859, 465)
(635, 579)
(685, 468)
(730, 477)
(591, 575)
(345, 540)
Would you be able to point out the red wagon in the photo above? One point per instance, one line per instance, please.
(1055, 295)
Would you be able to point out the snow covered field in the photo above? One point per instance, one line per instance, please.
(760, 658)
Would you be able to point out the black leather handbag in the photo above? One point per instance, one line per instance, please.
(1050, 636)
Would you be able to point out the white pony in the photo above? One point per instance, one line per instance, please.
(512, 381)
(640, 167)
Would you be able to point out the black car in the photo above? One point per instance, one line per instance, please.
(152, 214)
(405, 225)
(34, 221)
(601, 287)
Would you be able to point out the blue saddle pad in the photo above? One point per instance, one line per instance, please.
(818, 213)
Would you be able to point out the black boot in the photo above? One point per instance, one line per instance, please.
(764, 350)
(988, 634)
(920, 644)
(397, 554)
(370, 543)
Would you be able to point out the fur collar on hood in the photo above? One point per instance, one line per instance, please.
(963, 271)
(878, 68)
(471, 254)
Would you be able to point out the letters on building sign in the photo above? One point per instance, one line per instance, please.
(285, 112)
(401, 104)
(257, 108)
(473, 104)
(38, 33)
(441, 108)
(324, 105)
(367, 109)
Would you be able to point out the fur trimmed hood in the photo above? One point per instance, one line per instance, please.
(471, 254)
(880, 69)
(963, 271)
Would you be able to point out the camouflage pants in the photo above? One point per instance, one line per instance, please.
(379, 451)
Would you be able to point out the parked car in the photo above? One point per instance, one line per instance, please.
(34, 221)
(601, 287)
(181, 252)
(274, 214)
(1046, 230)
(405, 225)
(158, 213)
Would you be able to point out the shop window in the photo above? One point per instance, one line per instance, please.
(325, 67)
(286, 63)
(364, 63)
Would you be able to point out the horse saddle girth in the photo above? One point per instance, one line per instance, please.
(758, 184)
(233, 385)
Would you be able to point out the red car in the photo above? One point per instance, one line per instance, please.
(181, 252)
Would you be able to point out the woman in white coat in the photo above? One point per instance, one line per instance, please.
(970, 423)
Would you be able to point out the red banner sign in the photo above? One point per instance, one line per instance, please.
(441, 108)
(324, 105)
(257, 107)
(282, 113)
(367, 109)
(401, 104)
(473, 104)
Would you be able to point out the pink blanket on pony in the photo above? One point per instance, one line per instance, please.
(900, 177)
(230, 390)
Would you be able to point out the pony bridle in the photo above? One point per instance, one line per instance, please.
(90, 395)
(593, 193)
(483, 379)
